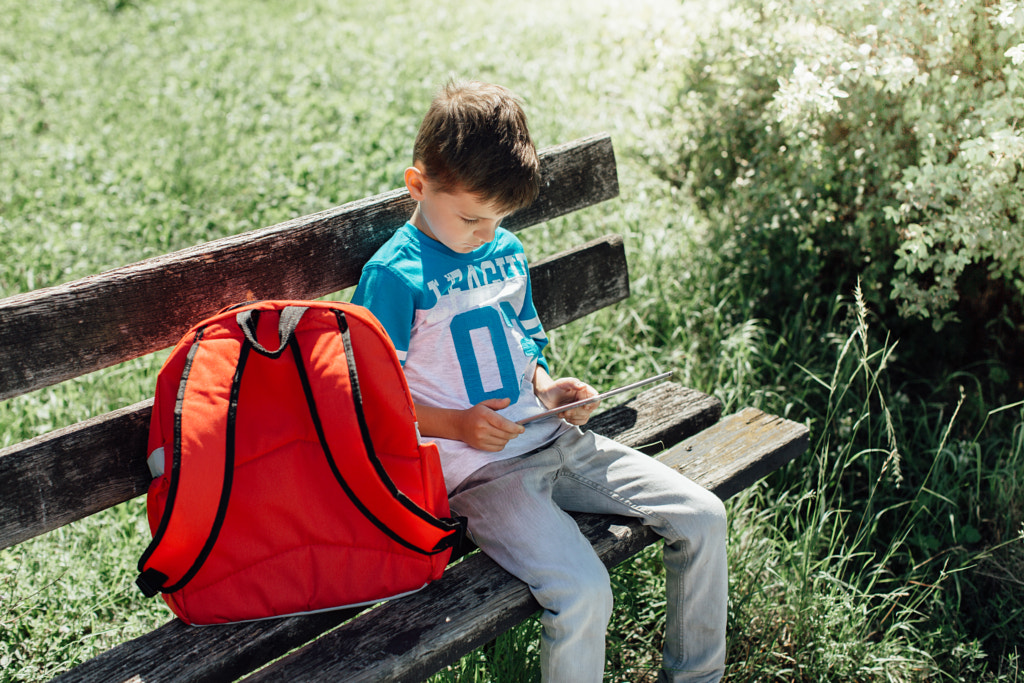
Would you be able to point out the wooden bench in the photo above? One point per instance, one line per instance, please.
(62, 332)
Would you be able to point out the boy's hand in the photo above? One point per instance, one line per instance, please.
(566, 390)
(481, 427)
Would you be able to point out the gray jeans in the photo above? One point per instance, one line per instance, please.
(517, 515)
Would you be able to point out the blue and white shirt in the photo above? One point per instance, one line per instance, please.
(466, 330)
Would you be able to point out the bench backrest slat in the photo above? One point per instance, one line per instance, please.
(73, 472)
(69, 330)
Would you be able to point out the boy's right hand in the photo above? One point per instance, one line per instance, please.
(480, 426)
(483, 428)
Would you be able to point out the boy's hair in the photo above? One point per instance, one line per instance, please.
(474, 138)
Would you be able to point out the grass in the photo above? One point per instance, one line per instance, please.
(891, 552)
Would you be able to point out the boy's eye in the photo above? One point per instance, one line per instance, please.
(470, 221)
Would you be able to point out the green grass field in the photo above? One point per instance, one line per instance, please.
(891, 552)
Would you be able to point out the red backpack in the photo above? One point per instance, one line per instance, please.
(293, 483)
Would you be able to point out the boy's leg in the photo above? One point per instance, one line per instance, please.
(513, 519)
(604, 476)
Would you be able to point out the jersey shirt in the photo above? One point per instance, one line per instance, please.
(466, 330)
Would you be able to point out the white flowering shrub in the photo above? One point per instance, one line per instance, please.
(872, 139)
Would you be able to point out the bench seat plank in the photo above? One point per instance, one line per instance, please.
(408, 640)
(76, 471)
(722, 457)
(177, 652)
(56, 333)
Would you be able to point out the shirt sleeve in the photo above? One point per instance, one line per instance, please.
(532, 325)
(391, 302)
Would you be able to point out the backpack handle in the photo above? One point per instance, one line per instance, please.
(289, 320)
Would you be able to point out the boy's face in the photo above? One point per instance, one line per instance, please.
(461, 221)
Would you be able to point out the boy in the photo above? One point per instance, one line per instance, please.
(452, 289)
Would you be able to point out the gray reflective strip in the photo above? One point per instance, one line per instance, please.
(156, 462)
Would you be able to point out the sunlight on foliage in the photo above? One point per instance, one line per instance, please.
(886, 137)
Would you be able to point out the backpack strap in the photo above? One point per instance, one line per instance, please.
(360, 472)
(198, 495)
(183, 540)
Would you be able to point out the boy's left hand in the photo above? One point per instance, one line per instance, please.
(566, 390)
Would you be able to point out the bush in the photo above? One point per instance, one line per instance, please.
(831, 144)
(872, 140)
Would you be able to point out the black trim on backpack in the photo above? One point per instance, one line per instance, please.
(229, 474)
(151, 580)
(378, 466)
(314, 413)
(307, 388)
(147, 581)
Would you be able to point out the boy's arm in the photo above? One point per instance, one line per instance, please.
(555, 392)
(391, 302)
(480, 426)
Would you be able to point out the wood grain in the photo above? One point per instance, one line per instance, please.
(53, 334)
(741, 449)
(76, 471)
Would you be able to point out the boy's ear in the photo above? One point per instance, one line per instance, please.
(415, 182)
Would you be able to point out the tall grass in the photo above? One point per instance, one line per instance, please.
(890, 552)
(836, 607)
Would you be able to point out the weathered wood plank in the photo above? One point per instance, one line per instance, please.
(599, 277)
(73, 472)
(659, 417)
(409, 639)
(222, 653)
(186, 654)
(57, 333)
(738, 451)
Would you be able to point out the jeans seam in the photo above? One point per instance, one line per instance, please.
(646, 512)
(683, 580)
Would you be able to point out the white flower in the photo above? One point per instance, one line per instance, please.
(807, 92)
(1016, 54)
(1005, 17)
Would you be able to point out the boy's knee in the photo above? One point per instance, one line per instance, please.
(715, 513)
(701, 520)
(593, 588)
(713, 520)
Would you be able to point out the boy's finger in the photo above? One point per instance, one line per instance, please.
(500, 422)
(585, 391)
(497, 403)
(496, 441)
(490, 416)
(507, 426)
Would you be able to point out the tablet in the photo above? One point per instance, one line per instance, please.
(593, 399)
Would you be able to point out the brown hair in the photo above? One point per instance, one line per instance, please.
(474, 138)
